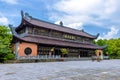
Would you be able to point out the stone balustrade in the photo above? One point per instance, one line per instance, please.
(40, 57)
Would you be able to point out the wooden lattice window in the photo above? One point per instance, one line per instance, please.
(30, 30)
(56, 34)
(68, 36)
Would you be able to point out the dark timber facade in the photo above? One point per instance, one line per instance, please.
(34, 38)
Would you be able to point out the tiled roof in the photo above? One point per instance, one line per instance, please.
(60, 28)
(57, 42)
(53, 41)
(39, 23)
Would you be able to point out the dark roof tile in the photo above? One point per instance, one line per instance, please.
(42, 40)
(59, 28)
(44, 24)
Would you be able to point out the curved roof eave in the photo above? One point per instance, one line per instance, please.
(42, 40)
(40, 23)
(61, 29)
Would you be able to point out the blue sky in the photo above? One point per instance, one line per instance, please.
(94, 16)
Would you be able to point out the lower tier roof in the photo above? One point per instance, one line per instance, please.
(56, 42)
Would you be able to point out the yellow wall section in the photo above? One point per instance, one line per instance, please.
(99, 53)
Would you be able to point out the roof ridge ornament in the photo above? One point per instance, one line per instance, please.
(26, 16)
(61, 23)
(82, 30)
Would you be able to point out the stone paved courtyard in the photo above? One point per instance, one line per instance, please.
(71, 70)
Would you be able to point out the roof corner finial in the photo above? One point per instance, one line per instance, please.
(27, 16)
(98, 34)
(61, 23)
(10, 25)
(11, 28)
(82, 30)
(22, 13)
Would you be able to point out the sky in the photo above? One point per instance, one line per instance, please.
(92, 16)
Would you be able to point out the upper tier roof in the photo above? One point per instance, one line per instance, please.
(26, 19)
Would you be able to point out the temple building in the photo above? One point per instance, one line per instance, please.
(37, 38)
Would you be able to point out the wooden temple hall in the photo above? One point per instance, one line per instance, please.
(40, 39)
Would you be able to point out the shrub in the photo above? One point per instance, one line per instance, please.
(10, 56)
(2, 60)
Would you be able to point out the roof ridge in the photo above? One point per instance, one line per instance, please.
(26, 15)
(92, 35)
(56, 24)
(35, 21)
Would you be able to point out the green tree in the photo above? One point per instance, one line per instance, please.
(101, 42)
(5, 39)
(64, 52)
(113, 47)
(117, 48)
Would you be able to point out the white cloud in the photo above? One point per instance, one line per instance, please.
(86, 11)
(76, 6)
(102, 13)
(57, 22)
(72, 25)
(10, 1)
(110, 7)
(76, 25)
(3, 20)
(111, 34)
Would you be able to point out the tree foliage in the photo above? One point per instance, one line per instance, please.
(5, 39)
(113, 47)
(64, 52)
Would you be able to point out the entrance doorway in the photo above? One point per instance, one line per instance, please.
(57, 51)
(85, 53)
